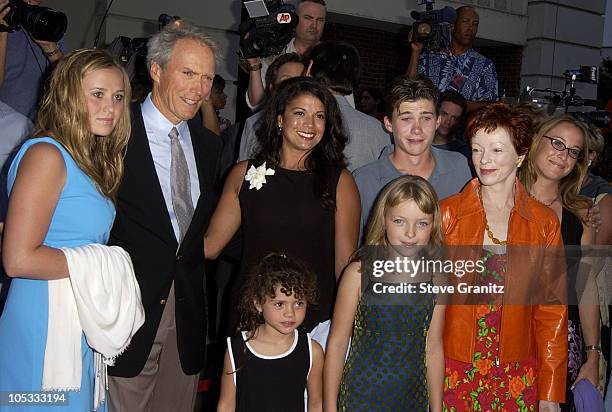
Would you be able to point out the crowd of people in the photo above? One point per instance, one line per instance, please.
(117, 210)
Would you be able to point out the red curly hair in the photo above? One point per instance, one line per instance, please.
(517, 123)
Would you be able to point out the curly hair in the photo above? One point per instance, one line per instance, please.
(516, 122)
(274, 270)
(326, 156)
(63, 116)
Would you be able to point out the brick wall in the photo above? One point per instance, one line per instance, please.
(507, 60)
(385, 55)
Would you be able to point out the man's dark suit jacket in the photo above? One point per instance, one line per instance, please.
(142, 227)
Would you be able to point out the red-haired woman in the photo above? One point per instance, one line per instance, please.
(506, 352)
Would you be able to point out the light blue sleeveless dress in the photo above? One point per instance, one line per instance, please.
(82, 216)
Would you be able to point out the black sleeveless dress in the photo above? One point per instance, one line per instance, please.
(286, 216)
(571, 232)
(270, 383)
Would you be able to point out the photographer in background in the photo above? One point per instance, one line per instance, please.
(459, 67)
(24, 62)
(308, 34)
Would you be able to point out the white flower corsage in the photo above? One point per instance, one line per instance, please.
(256, 176)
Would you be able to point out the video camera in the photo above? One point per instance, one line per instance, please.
(560, 101)
(432, 27)
(268, 29)
(42, 23)
(132, 53)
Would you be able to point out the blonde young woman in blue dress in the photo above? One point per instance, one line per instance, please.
(61, 185)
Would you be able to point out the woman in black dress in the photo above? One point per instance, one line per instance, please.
(553, 174)
(295, 196)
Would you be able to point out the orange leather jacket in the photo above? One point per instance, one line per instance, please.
(526, 329)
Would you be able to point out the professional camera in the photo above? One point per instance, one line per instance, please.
(269, 28)
(132, 53)
(42, 23)
(557, 101)
(432, 27)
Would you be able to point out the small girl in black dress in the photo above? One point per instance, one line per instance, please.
(270, 363)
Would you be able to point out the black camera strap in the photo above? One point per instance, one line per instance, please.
(30, 41)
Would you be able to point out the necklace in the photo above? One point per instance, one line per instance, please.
(490, 235)
(546, 204)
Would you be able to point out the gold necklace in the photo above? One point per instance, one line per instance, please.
(490, 235)
(545, 204)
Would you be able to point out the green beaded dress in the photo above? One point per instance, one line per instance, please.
(386, 369)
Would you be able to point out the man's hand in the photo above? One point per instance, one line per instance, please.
(253, 61)
(415, 46)
(594, 217)
(47, 46)
(51, 50)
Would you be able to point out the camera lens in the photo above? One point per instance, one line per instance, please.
(424, 29)
(44, 23)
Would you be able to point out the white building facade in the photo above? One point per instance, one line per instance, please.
(556, 34)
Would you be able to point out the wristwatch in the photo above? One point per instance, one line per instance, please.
(52, 53)
(254, 67)
(593, 347)
(248, 67)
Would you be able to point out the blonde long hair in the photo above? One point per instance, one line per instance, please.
(569, 186)
(404, 188)
(63, 116)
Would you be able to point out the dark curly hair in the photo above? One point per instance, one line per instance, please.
(326, 156)
(274, 270)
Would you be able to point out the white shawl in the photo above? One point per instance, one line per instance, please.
(101, 299)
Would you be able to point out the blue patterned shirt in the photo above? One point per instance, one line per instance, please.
(470, 74)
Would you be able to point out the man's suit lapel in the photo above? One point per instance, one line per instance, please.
(142, 160)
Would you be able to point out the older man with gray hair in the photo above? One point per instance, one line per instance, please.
(163, 207)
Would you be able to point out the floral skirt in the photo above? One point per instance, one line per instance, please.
(485, 384)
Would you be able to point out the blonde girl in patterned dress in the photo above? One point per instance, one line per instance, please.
(396, 359)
